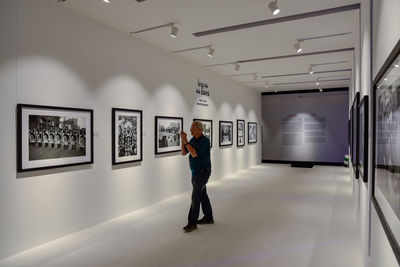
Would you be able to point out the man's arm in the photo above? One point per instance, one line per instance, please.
(186, 147)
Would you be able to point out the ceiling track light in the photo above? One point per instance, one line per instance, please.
(320, 89)
(174, 29)
(255, 77)
(237, 66)
(106, 1)
(273, 6)
(211, 51)
(310, 70)
(266, 84)
(396, 65)
(317, 81)
(297, 47)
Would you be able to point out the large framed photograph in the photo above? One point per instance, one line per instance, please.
(52, 137)
(240, 133)
(386, 149)
(208, 129)
(363, 139)
(355, 134)
(126, 136)
(225, 133)
(252, 132)
(167, 134)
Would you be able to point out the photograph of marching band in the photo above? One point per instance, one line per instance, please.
(168, 134)
(225, 133)
(53, 137)
(126, 135)
(252, 131)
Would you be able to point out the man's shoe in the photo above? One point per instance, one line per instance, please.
(190, 227)
(205, 221)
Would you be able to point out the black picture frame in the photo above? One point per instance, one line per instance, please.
(208, 131)
(127, 135)
(240, 133)
(170, 140)
(53, 137)
(225, 133)
(252, 132)
(363, 139)
(386, 172)
(355, 134)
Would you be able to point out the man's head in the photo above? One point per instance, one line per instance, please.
(197, 129)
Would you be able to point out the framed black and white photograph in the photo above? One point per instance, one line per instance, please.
(126, 136)
(208, 129)
(355, 135)
(240, 134)
(52, 137)
(363, 139)
(386, 149)
(167, 134)
(252, 132)
(225, 133)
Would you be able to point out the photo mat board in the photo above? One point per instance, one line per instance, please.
(252, 132)
(168, 134)
(225, 133)
(355, 134)
(208, 129)
(363, 139)
(127, 134)
(240, 133)
(53, 137)
(386, 149)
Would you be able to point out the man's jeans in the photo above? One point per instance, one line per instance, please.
(199, 195)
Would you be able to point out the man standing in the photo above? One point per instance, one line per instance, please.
(200, 164)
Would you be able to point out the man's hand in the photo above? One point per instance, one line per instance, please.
(184, 137)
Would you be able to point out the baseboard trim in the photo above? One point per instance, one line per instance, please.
(303, 163)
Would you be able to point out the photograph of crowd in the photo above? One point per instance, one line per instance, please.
(207, 131)
(252, 128)
(127, 135)
(168, 134)
(56, 137)
(225, 133)
(240, 133)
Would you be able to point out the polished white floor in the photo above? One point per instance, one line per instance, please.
(268, 215)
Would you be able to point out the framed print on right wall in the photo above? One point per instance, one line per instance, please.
(225, 133)
(208, 129)
(240, 133)
(252, 132)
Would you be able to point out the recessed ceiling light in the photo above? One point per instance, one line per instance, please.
(174, 30)
(298, 47)
(211, 51)
(273, 6)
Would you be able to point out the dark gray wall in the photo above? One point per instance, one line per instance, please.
(305, 127)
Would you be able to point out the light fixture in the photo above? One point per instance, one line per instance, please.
(211, 51)
(266, 84)
(106, 1)
(310, 70)
(255, 77)
(320, 89)
(276, 91)
(298, 47)
(237, 66)
(385, 79)
(273, 6)
(396, 65)
(174, 30)
(317, 81)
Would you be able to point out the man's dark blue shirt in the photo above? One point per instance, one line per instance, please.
(202, 161)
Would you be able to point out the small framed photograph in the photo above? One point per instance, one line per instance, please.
(225, 133)
(355, 134)
(208, 129)
(252, 132)
(167, 134)
(53, 137)
(363, 139)
(126, 136)
(240, 133)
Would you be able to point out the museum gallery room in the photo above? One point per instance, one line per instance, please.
(200, 133)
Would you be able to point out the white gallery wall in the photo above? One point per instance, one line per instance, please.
(52, 56)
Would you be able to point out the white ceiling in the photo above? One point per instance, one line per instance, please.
(252, 43)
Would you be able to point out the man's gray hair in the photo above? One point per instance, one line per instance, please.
(199, 125)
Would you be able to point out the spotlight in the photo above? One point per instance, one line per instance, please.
(107, 1)
(237, 66)
(266, 84)
(276, 91)
(273, 6)
(396, 65)
(320, 89)
(317, 81)
(174, 30)
(310, 70)
(298, 47)
(255, 77)
(211, 51)
(385, 79)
